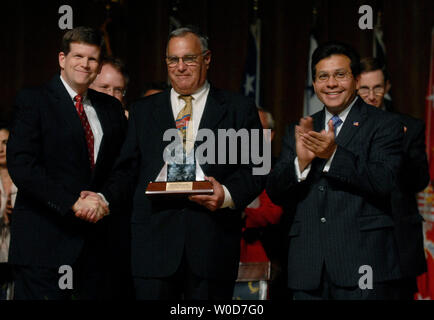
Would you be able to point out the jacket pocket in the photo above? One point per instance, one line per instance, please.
(375, 222)
(295, 229)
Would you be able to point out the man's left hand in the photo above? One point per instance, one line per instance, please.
(322, 144)
(214, 201)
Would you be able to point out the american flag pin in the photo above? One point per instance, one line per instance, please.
(356, 123)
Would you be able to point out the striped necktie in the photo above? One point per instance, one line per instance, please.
(336, 123)
(86, 127)
(184, 116)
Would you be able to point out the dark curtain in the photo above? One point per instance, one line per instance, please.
(138, 31)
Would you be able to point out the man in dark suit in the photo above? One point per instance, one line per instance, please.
(64, 138)
(185, 248)
(337, 169)
(413, 177)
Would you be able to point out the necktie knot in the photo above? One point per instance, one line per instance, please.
(79, 103)
(78, 98)
(186, 98)
(336, 122)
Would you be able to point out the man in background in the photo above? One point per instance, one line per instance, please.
(112, 80)
(154, 87)
(413, 177)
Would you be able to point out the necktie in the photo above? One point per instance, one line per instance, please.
(336, 123)
(86, 127)
(184, 117)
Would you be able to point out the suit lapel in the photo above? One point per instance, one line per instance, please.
(215, 110)
(162, 112)
(64, 107)
(104, 120)
(352, 124)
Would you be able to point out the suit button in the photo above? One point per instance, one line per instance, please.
(323, 220)
(321, 188)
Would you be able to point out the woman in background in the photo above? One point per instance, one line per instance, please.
(7, 197)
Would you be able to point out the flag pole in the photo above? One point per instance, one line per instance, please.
(257, 32)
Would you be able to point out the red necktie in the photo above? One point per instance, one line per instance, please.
(87, 130)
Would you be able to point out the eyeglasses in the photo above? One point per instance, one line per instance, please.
(189, 60)
(116, 91)
(364, 92)
(338, 76)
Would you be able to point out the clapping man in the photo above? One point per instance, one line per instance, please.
(337, 170)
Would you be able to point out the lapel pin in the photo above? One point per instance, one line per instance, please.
(356, 123)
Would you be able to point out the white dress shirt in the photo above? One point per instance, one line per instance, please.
(343, 116)
(198, 104)
(92, 117)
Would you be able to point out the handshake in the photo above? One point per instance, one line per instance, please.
(90, 207)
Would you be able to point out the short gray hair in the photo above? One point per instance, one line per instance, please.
(180, 32)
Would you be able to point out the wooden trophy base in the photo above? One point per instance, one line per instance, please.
(179, 189)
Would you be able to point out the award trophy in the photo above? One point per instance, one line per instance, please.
(181, 174)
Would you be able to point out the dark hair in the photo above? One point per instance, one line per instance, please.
(85, 35)
(369, 64)
(330, 48)
(155, 86)
(4, 125)
(119, 65)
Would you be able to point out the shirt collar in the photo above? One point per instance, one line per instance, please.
(343, 115)
(71, 91)
(198, 94)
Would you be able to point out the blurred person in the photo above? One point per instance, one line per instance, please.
(258, 238)
(8, 192)
(374, 83)
(112, 80)
(154, 87)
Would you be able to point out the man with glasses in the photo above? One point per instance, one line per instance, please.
(374, 83)
(185, 247)
(112, 80)
(337, 169)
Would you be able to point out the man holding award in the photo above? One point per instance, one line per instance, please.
(186, 220)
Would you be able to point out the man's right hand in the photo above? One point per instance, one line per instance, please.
(304, 155)
(90, 207)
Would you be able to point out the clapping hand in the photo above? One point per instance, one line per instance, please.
(320, 144)
(304, 154)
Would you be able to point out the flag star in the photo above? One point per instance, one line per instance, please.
(248, 85)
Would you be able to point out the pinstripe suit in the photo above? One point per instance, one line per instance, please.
(342, 219)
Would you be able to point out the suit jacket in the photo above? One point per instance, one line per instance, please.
(163, 230)
(342, 219)
(413, 177)
(48, 161)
